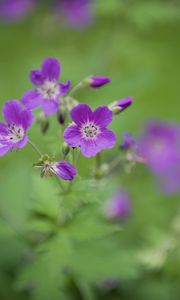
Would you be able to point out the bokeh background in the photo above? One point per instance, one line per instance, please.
(137, 44)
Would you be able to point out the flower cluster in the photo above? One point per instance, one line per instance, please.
(87, 131)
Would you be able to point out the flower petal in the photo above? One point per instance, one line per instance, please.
(27, 118)
(81, 114)
(51, 69)
(3, 129)
(36, 77)
(50, 106)
(89, 148)
(106, 139)
(64, 170)
(12, 111)
(32, 99)
(3, 149)
(72, 136)
(64, 87)
(102, 116)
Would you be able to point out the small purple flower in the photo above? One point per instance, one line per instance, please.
(97, 81)
(130, 146)
(76, 12)
(48, 91)
(124, 103)
(62, 169)
(159, 144)
(128, 143)
(118, 207)
(89, 131)
(13, 134)
(12, 10)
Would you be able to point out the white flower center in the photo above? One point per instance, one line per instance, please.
(90, 131)
(15, 133)
(49, 90)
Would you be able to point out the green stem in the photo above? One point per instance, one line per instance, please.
(98, 165)
(60, 184)
(79, 86)
(115, 162)
(35, 148)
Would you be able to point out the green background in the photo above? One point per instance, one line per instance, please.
(137, 44)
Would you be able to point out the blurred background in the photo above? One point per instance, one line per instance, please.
(137, 44)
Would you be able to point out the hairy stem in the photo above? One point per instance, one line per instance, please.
(34, 147)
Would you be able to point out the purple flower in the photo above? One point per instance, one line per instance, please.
(48, 90)
(13, 134)
(12, 10)
(160, 146)
(118, 207)
(76, 12)
(62, 169)
(89, 131)
(128, 143)
(97, 81)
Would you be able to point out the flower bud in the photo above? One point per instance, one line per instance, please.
(65, 149)
(120, 105)
(118, 207)
(97, 81)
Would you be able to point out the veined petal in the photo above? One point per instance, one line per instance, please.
(3, 149)
(51, 69)
(36, 77)
(72, 136)
(32, 99)
(64, 170)
(27, 118)
(21, 143)
(102, 116)
(12, 111)
(81, 114)
(106, 139)
(3, 129)
(50, 106)
(89, 148)
(64, 87)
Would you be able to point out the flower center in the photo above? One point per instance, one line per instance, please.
(49, 90)
(90, 131)
(15, 133)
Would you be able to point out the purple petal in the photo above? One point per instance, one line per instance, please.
(51, 69)
(64, 87)
(50, 106)
(106, 139)
(102, 116)
(3, 129)
(12, 112)
(12, 10)
(36, 77)
(3, 149)
(98, 81)
(81, 114)
(72, 136)
(27, 118)
(32, 99)
(89, 148)
(64, 170)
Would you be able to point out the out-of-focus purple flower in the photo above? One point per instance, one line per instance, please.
(48, 91)
(13, 134)
(62, 169)
(76, 13)
(11, 10)
(90, 130)
(97, 81)
(130, 145)
(160, 147)
(118, 207)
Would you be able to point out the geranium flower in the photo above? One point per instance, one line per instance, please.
(118, 207)
(97, 81)
(90, 130)
(48, 91)
(13, 134)
(159, 145)
(62, 169)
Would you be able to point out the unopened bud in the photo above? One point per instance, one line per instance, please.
(96, 81)
(120, 105)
